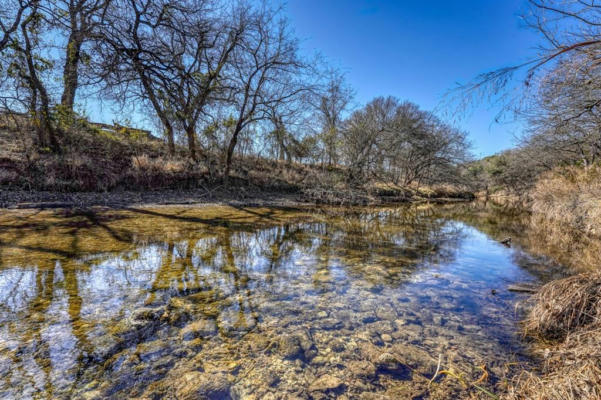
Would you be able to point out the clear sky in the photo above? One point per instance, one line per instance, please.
(419, 49)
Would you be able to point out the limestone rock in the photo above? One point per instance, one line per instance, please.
(337, 345)
(386, 313)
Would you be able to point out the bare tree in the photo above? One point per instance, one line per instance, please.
(200, 78)
(393, 140)
(567, 28)
(364, 129)
(172, 55)
(31, 61)
(129, 61)
(80, 20)
(77, 18)
(559, 94)
(263, 73)
(27, 65)
(566, 114)
(332, 104)
(12, 13)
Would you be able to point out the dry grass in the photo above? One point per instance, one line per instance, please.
(566, 206)
(571, 196)
(95, 160)
(565, 315)
(571, 248)
(564, 305)
(566, 319)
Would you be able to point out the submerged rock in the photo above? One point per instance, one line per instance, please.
(147, 314)
(329, 324)
(386, 313)
(388, 363)
(197, 385)
(289, 347)
(326, 383)
(199, 329)
(297, 346)
(337, 345)
(152, 351)
(178, 311)
(361, 369)
(386, 338)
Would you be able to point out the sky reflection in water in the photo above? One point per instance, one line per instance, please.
(124, 304)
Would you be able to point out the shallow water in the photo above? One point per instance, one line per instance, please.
(258, 303)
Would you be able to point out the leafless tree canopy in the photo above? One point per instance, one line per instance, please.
(398, 141)
(558, 95)
(222, 79)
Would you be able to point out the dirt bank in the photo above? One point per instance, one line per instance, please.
(246, 196)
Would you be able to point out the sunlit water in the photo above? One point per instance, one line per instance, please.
(256, 303)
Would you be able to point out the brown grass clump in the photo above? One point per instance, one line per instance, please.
(566, 318)
(564, 305)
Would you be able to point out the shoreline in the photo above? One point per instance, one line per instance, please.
(236, 196)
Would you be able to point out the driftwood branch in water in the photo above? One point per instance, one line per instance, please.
(522, 288)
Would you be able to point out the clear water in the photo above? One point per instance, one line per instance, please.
(258, 303)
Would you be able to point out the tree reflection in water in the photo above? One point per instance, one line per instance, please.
(113, 303)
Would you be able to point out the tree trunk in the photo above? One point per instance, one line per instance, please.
(170, 139)
(230, 154)
(70, 72)
(43, 116)
(48, 128)
(157, 107)
(33, 105)
(191, 142)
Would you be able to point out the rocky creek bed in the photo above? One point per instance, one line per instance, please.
(366, 304)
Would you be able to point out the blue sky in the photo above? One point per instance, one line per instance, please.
(417, 50)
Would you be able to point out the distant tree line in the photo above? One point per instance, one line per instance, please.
(222, 79)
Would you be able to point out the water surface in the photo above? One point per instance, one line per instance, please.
(258, 303)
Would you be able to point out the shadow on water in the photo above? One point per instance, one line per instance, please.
(125, 303)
